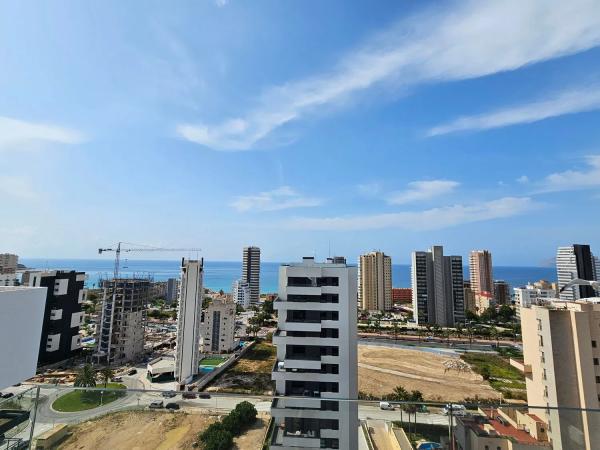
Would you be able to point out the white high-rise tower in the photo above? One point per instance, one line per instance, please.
(188, 321)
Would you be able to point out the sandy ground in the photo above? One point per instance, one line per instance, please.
(381, 369)
(140, 430)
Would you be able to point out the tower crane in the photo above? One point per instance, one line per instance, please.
(118, 249)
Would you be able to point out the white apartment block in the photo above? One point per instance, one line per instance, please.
(218, 327)
(575, 261)
(561, 350)
(189, 317)
(240, 293)
(375, 282)
(316, 366)
(20, 332)
(8, 263)
(9, 279)
(531, 295)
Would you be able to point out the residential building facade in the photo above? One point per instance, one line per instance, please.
(502, 293)
(469, 295)
(20, 330)
(375, 282)
(121, 329)
(189, 316)
(63, 316)
(172, 290)
(575, 261)
(401, 295)
(532, 295)
(561, 354)
(251, 271)
(218, 327)
(316, 369)
(240, 293)
(437, 287)
(8, 263)
(481, 272)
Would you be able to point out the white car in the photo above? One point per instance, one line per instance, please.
(387, 406)
(456, 410)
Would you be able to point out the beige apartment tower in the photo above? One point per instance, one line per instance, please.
(480, 271)
(561, 350)
(218, 327)
(375, 282)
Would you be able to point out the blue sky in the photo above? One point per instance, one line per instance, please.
(300, 126)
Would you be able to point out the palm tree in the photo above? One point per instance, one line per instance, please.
(395, 328)
(86, 377)
(107, 374)
(494, 334)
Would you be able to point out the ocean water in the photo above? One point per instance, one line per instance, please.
(221, 274)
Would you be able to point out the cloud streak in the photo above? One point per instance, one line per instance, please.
(15, 132)
(571, 180)
(464, 40)
(422, 190)
(558, 104)
(430, 219)
(282, 198)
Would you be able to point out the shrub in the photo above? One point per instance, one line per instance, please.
(219, 435)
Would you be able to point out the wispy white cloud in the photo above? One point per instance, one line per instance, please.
(422, 190)
(17, 187)
(558, 104)
(369, 189)
(282, 198)
(430, 219)
(464, 40)
(221, 3)
(15, 132)
(523, 179)
(571, 180)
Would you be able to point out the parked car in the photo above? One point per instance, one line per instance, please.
(457, 410)
(7, 395)
(386, 406)
(117, 379)
(157, 404)
(203, 395)
(131, 371)
(169, 394)
(189, 395)
(172, 406)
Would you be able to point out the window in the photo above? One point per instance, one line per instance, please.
(597, 379)
(595, 361)
(593, 344)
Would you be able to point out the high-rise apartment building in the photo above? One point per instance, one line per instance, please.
(218, 327)
(172, 290)
(532, 295)
(375, 282)
(481, 272)
(502, 293)
(575, 261)
(561, 352)
(121, 329)
(251, 271)
(470, 304)
(240, 292)
(60, 339)
(317, 365)
(437, 287)
(8, 263)
(189, 316)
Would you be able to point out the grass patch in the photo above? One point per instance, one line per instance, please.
(212, 361)
(259, 359)
(82, 400)
(503, 377)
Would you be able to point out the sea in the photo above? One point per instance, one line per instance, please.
(221, 274)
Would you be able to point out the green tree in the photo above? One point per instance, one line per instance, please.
(107, 374)
(86, 377)
(506, 313)
(267, 307)
(485, 373)
(395, 328)
(495, 334)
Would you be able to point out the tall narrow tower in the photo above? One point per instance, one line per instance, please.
(188, 321)
(575, 261)
(251, 271)
(375, 282)
(480, 271)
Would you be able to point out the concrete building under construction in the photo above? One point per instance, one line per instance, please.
(121, 330)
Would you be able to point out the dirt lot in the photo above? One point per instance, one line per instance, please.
(381, 369)
(140, 430)
(251, 374)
